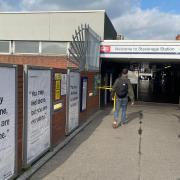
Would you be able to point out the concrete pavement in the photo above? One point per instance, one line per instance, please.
(100, 152)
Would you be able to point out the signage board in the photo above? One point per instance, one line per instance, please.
(38, 109)
(155, 49)
(7, 122)
(144, 50)
(63, 84)
(96, 84)
(84, 83)
(73, 101)
(57, 77)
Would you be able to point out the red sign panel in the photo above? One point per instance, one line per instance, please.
(105, 49)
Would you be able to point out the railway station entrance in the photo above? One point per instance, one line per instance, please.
(154, 69)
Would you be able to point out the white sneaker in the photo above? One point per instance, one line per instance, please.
(115, 124)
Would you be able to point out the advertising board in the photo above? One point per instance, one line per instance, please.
(38, 113)
(7, 122)
(73, 101)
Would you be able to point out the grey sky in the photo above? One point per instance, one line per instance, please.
(127, 15)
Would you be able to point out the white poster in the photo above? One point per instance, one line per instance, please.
(38, 108)
(73, 113)
(84, 93)
(7, 122)
(133, 77)
(63, 84)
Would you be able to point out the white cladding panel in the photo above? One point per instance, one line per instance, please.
(24, 26)
(48, 26)
(63, 26)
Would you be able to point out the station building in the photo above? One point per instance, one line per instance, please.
(52, 64)
(154, 68)
(49, 65)
(48, 33)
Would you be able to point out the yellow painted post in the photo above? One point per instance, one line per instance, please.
(114, 107)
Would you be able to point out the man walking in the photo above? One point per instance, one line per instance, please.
(122, 88)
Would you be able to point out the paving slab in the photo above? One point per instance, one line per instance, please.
(100, 152)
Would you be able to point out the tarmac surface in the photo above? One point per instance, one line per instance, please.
(100, 152)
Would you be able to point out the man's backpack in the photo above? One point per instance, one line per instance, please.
(122, 88)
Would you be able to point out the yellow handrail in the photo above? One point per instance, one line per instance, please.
(105, 87)
(109, 88)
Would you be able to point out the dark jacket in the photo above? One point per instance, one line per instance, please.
(130, 89)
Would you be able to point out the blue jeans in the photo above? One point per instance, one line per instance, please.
(121, 103)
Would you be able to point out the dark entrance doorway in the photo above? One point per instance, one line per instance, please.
(158, 81)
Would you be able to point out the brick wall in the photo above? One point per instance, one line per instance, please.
(92, 101)
(36, 60)
(59, 117)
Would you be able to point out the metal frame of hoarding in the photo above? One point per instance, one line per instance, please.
(26, 68)
(67, 99)
(16, 116)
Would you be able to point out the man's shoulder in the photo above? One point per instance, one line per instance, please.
(124, 78)
(117, 79)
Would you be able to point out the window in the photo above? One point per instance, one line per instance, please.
(28, 47)
(54, 48)
(4, 46)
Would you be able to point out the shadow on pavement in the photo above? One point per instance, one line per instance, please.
(178, 117)
(134, 115)
(59, 158)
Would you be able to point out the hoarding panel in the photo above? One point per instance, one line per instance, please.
(38, 113)
(7, 122)
(73, 101)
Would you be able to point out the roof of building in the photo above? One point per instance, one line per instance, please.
(45, 12)
(53, 25)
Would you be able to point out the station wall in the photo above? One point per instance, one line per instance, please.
(58, 65)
